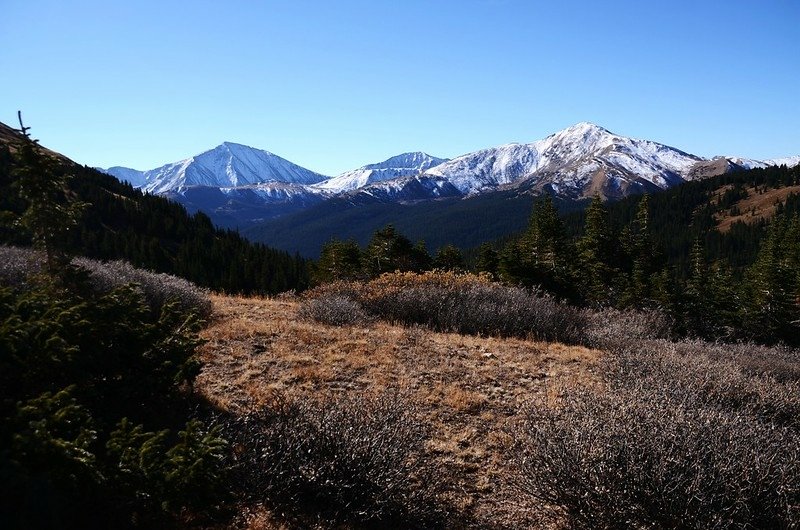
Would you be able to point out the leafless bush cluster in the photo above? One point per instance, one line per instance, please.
(635, 460)
(18, 264)
(687, 435)
(779, 362)
(609, 327)
(713, 375)
(462, 303)
(341, 460)
(158, 288)
(334, 309)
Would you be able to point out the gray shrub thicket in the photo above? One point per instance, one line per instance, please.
(687, 435)
(18, 265)
(340, 460)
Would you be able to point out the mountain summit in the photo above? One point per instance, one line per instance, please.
(239, 185)
(229, 165)
(578, 161)
(404, 165)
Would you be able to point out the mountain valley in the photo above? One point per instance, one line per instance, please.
(264, 195)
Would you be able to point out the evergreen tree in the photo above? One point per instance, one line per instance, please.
(772, 309)
(420, 258)
(448, 258)
(50, 213)
(390, 251)
(643, 259)
(695, 308)
(488, 259)
(595, 252)
(542, 255)
(339, 260)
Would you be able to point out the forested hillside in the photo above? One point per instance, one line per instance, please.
(718, 271)
(150, 232)
(463, 222)
(713, 211)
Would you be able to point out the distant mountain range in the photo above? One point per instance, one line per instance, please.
(242, 187)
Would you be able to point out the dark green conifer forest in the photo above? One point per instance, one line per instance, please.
(659, 252)
(151, 232)
(99, 427)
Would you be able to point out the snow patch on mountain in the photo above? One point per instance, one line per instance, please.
(568, 159)
(134, 177)
(404, 165)
(227, 165)
(788, 161)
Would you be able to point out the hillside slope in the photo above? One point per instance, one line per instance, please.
(152, 232)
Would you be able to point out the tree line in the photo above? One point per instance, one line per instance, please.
(661, 252)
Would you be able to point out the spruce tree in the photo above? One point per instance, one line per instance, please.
(448, 258)
(339, 260)
(488, 259)
(695, 307)
(644, 266)
(595, 252)
(542, 255)
(390, 251)
(51, 209)
(772, 309)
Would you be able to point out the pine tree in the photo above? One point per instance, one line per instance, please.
(773, 312)
(339, 260)
(595, 252)
(695, 310)
(448, 258)
(644, 266)
(542, 255)
(488, 259)
(51, 211)
(390, 251)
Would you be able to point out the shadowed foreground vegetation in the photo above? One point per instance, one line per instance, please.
(388, 414)
(650, 433)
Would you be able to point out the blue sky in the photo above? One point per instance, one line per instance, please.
(334, 85)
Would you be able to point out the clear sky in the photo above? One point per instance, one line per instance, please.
(335, 85)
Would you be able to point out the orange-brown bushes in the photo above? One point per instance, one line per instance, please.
(461, 303)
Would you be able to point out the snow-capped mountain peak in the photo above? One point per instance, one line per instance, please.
(788, 161)
(226, 166)
(403, 165)
(579, 161)
(584, 158)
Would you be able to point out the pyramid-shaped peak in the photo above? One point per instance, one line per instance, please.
(237, 147)
(416, 159)
(585, 127)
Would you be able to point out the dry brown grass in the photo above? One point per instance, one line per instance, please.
(755, 207)
(469, 388)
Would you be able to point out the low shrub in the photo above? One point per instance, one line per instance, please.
(712, 376)
(17, 265)
(334, 310)
(637, 460)
(157, 288)
(779, 362)
(609, 327)
(354, 460)
(463, 303)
